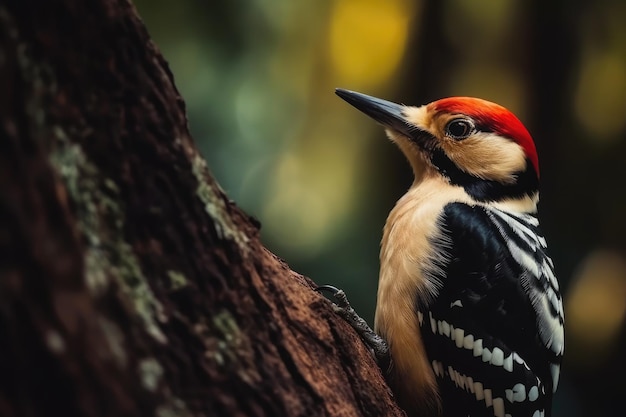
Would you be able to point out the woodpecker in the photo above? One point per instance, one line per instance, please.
(468, 302)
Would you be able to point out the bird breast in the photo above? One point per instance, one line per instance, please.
(406, 253)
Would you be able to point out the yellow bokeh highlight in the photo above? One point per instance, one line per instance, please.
(314, 183)
(313, 188)
(368, 39)
(596, 305)
(297, 211)
(600, 97)
(601, 94)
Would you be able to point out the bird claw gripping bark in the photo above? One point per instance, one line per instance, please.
(342, 307)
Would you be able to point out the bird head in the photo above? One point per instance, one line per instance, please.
(472, 143)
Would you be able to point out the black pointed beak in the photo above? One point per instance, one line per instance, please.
(385, 112)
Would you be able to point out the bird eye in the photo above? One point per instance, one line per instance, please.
(460, 128)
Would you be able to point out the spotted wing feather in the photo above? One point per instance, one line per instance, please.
(494, 332)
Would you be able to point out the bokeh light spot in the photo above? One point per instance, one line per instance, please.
(296, 212)
(601, 95)
(596, 306)
(368, 39)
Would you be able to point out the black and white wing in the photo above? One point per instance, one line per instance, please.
(494, 332)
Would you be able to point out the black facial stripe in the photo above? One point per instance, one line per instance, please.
(423, 139)
(486, 190)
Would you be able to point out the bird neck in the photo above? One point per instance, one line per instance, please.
(524, 186)
(525, 204)
(504, 197)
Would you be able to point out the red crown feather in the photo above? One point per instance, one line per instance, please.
(493, 117)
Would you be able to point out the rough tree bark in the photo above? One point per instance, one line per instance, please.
(129, 283)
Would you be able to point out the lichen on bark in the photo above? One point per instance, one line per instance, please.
(213, 198)
(100, 220)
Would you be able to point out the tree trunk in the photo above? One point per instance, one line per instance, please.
(129, 283)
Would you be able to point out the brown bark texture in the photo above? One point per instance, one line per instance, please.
(129, 283)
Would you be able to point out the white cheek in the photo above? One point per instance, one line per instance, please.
(488, 156)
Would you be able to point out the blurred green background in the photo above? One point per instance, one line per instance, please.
(258, 78)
